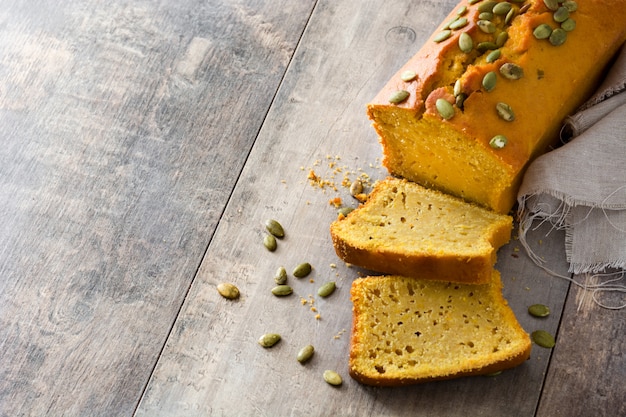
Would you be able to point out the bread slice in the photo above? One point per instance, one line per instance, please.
(406, 229)
(407, 330)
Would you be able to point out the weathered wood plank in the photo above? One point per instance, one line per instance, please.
(124, 126)
(212, 364)
(588, 369)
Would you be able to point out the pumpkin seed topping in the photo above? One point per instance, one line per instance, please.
(505, 112)
(302, 270)
(543, 338)
(459, 23)
(489, 81)
(542, 31)
(486, 46)
(269, 339)
(399, 97)
(511, 71)
(501, 39)
(282, 290)
(558, 37)
(460, 100)
(269, 241)
(501, 8)
(498, 142)
(275, 228)
(486, 26)
(465, 42)
(408, 75)
(568, 25)
(281, 276)
(561, 14)
(327, 289)
(551, 4)
(485, 16)
(305, 353)
(487, 6)
(442, 36)
(493, 56)
(445, 109)
(570, 5)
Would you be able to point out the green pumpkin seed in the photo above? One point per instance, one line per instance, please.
(486, 46)
(551, 4)
(487, 6)
(568, 25)
(542, 31)
(442, 36)
(570, 5)
(305, 353)
(511, 71)
(493, 56)
(344, 211)
(462, 10)
(332, 377)
(445, 109)
(282, 290)
(281, 276)
(485, 16)
(356, 188)
(486, 26)
(270, 243)
(498, 142)
(228, 290)
(458, 23)
(561, 14)
(505, 112)
(510, 16)
(501, 39)
(558, 37)
(539, 310)
(460, 100)
(269, 339)
(470, 2)
(543, 339)
(327, 289)
(399, 97)
(489, 81)
(408, 75)
(275, 228)
(501, 8)
(302, 270)
(466, 43)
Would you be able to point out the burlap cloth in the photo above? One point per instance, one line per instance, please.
(581, 185)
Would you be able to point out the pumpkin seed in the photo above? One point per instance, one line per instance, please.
(457, 88)
(399, 97)
(487, 6)
(511, 71)
(462, 10)
(489, 81)
(558, 37)
(493, 56)
(228, 290)
(524, 8)
(445, 109)
(470, 2)
(460, 100)
(408, 75)
(327, 289)
(442, 36)
(269, 339)
(486, 26)
(485, 16)
(561, 14)
(551, 4)
(505, 112)
(275, 228)
(344, 211)
(510, 16)
(458, 23)
(305, 353)
(568, 25)
(281, 276)
(302, 270)
(498, 142)
(539, 310)
(486, 46)
(543, 339)
(501, 39)
(356, 188)
(570, 5)
(282, 290)
(542, 31)
(332, 377)
(270, 243)
(466, 43)
(501, 8)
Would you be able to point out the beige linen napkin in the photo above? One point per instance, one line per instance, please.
(581, 186)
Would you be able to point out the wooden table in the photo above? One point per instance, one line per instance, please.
(143, 145)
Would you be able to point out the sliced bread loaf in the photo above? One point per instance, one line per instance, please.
(406, 229)
(408, 330)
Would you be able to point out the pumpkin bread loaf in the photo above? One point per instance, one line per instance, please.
(408, 330)
(488, 91)
(406, 229)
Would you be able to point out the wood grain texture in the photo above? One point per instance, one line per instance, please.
(124, 126)
(212, 364)
(588, 369)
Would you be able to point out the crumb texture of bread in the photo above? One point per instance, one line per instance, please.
(454, 154)
(407, 331)
(406, 229)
